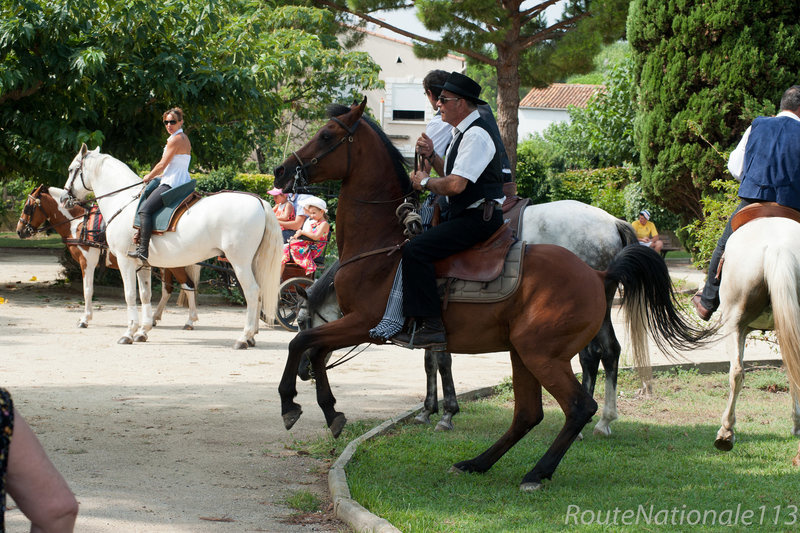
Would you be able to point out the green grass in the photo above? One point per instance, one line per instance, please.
(9, 239)
(304, 501)
(661, 454)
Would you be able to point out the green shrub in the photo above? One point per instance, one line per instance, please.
(256, 183)
(221, 179)
(717, 208)
(602, 187)
(535, 159)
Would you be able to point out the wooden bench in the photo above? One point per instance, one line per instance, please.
(671, 242)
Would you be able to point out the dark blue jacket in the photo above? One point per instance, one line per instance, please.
(772, 162)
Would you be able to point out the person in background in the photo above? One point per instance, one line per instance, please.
(28, 476)
(767, 163)
(308, 242)
(284, 212)
(646, 231)
(173, 169)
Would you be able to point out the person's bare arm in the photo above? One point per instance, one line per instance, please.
(297, 223)
(317, 235)
(40, 491)
(447, 186)
(174, 147)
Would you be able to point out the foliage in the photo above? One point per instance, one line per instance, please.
(601, 135)
(403, 475)
(102, 72)
(13, 194)
(606, 59)
(717, 209)
(513, 38)
(684, 55)
(603, 188)
(535, 161)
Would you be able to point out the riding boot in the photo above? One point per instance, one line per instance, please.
(429, 334)
(143, 249)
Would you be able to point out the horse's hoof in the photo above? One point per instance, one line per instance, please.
(455, 470)
(188, 327)
(140, 337)
(422, 418)
(444, 426)
(155, 322)
(724, 445)
(125, 340)
(580, 436)
(602, 429)
(240, 345)
(291, 417)
(530, 486)
(337, 425)
(251, 342)
(82, 324)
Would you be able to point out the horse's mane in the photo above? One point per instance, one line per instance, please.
(401, 166)
(319, 290)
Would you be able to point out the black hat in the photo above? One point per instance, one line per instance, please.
(464, 86)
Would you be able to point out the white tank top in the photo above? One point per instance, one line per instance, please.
(177, 171)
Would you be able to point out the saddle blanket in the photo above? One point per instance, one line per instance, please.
(93, 228)
(173, 199)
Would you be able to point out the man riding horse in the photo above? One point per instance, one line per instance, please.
(472, 181)
(767, 162)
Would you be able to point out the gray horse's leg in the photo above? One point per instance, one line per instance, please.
(431, 404)
(444, 361)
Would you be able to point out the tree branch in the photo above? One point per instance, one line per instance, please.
(552, 31)
(20, 93)
(465, 51)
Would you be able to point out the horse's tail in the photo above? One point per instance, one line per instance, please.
(649, 303)
(781, 270)
(267, 264)
(626, 233)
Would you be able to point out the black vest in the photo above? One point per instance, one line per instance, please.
(488, 186)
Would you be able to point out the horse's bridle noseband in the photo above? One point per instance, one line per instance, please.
(301, 174)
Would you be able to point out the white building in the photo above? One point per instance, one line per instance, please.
(402, 108)
(542, 107)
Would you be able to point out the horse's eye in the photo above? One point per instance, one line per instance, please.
(326, 136)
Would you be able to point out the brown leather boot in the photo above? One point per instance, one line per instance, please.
(430, 334)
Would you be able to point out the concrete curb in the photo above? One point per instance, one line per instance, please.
(362, 520)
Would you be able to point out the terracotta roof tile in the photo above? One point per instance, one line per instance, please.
(560, 95)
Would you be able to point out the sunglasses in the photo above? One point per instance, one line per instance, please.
(170, 122)
(444, 99)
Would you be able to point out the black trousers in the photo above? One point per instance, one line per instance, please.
(153, 202)
(710, 295)
(420, 298)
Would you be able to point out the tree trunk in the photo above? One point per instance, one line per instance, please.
(508, 101)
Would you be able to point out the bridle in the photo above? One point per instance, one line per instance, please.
(301, 172)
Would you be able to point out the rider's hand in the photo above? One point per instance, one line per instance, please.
(425, 146)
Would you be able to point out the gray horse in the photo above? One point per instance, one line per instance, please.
(589, 232)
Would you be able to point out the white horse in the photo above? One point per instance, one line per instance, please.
(759, 290)
(241, 226)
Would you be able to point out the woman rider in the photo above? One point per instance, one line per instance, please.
(173, 169)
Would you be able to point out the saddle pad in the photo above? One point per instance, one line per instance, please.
(760, 210)
(173, 198)
(493, 291)
(513, 211)
(93, 230)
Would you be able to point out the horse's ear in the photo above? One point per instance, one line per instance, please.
(96, 150)
(362, 106)
(84, 150)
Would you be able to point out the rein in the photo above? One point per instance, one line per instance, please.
(301, 176)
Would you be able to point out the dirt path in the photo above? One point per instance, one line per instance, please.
(162, 436)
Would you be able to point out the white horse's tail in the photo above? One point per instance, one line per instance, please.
(193, 271)
(781, 271)
(267, 264)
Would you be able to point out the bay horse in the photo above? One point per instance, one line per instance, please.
(44, 205)
(558, 307)
(760, 289)
(240, 225)
(590, 233)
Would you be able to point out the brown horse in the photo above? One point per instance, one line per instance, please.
(44, 205)
(557, 309)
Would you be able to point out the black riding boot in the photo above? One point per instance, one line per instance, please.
(143, 249)
(427, 334)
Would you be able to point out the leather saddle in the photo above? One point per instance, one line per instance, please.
(483, 262)
(176, 202)
(760, 210)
